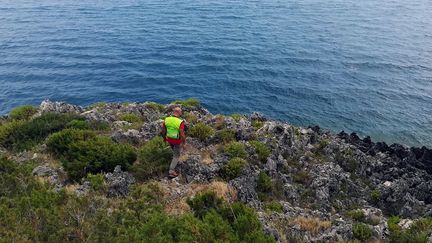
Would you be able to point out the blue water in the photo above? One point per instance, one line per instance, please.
(363, 66)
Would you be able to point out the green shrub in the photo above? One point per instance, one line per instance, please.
(97, 181)
(7, 128)
(130, 117)
(264, 184)
(27, 134)
(155, 106)
(99, 154)
(201, 131)
(188, 102)
(203, 202)
(418, 231)
(23, 112)
(361, 231)
(233, 168)
(261, 149)
(375, 196)
(302, 177)
(236, 117)
(357, 214)
(257, 124)
(235, 149)
(274, 207)
(154, 159)
(59, 143)
(191, 118)
(225, 135)
(88, 125)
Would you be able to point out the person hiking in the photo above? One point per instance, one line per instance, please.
(173, 129)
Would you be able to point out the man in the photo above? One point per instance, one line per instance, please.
(174, 132)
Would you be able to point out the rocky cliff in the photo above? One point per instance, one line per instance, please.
(306, 184)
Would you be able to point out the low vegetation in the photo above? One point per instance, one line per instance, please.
(225, 135)
(419, 231)
(233, 168)
(201, 131)
(154, 158)
(130, 117)
(235, 149)
(362, 231)
(23, 112)
(188, 102)
(261, 149)
(82, 152)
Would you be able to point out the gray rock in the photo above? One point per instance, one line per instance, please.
(118, 182)
(130, 136)
(83, 189)
(59, 107)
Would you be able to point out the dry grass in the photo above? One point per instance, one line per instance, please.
(312, 225)
(219, 122)
(176, 194)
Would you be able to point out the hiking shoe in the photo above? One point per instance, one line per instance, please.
(173, 174)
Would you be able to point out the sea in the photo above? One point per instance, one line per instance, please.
(358, 66)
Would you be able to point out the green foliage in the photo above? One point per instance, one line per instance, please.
(201, 131)
(130, 117)
(154, 159)
(23, 112)
(418, 231)
(236, 117)
(59, 143)
(375, 196)
(25, 135)
(191, 118)
(155, 106)
(32, 211)
(302, 177)
(357, 215)
(96, 181)
(202, 203)
(235, 149)
(7, 128)
(225, 135)
(233, 168)
(261, 149)
(229, 223)
(78, 124)
(188, 102)
(264, 184)
(361, 231)
(257, 124)
(274, 207)
(83, 152)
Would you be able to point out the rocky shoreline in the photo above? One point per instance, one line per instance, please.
(325, 185)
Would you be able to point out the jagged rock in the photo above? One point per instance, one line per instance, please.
(130, 136)
(118, 182)
(150, 130)
(121, 124)
(245, 187)
(48, 172)
(83, 189)
(258, 117)
(195, 171)
(59, 107)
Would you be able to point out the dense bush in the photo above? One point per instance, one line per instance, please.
(97, 181)
(264, 184)
(32, 211)
(357, 214)
(225, 135)
(188, 102)
(83, 152)
(233, 168)
(59, 143)
(231, 223)
(417, 232)
(96, 155)
(191, 118)
(261, 149)
(88, 125)
(362, 231)
(23, 112)
(130, 117)
(257, 124)
(202, 203)
(154, 159)
(235, 149)
(25, 135)
(201, 131)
